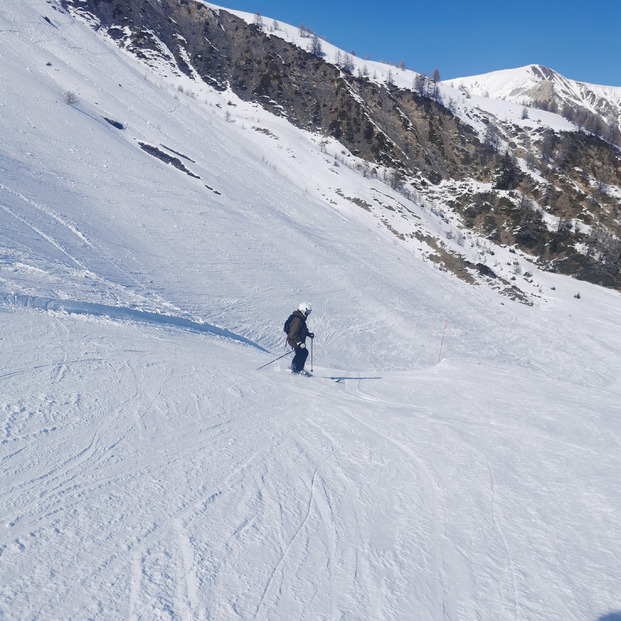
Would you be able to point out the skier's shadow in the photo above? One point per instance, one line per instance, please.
(611, 616)
(338, 378)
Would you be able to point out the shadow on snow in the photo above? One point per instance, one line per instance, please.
(121, 313)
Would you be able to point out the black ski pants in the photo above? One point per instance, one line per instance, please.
(299, 359)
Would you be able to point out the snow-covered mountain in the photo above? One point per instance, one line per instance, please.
(456, 455)
(529, 178)
(538, 85)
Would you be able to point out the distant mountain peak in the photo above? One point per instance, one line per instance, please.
(541, 87)
(544, 72)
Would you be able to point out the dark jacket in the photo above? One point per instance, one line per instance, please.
(297, 330)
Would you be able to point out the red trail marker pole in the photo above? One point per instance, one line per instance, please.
(442, 343)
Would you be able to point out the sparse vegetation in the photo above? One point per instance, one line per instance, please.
(71, 98)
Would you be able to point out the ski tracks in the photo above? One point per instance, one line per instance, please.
(65, 239)
(303, 524)
(462, 585)
(429, 502)
(179, 546)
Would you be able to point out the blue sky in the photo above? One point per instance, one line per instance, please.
(580, 40)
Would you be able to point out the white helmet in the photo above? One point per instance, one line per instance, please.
(305, 308)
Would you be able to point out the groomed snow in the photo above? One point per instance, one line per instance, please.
(151, 471)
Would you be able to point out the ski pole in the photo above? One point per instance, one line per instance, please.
(275, 359)
(312, 343)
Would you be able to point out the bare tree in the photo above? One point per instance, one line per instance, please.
(71, 98)
(315, 46)
(420, 84)
(348, 64)
(435, 78)
(548, 145)
(492, 137)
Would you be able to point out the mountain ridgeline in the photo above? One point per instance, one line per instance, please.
(553, 194)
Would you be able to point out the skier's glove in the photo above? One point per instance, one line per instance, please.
(311, 335)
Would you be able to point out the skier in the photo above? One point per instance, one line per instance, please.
(297, 331)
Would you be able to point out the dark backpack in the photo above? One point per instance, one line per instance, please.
(288, 324)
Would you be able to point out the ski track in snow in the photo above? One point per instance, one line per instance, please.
(289, 545)
(64, 238)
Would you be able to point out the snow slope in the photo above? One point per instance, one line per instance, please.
(149, 469)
